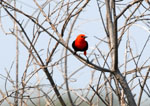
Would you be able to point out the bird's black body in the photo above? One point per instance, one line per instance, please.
(78, 49)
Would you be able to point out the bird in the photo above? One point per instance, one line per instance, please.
(80, 44)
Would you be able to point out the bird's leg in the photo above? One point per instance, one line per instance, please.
(74, 52)
(87, 59)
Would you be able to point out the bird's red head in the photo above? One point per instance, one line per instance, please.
(81, 37)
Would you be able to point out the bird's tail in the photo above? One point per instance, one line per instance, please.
(85, 53)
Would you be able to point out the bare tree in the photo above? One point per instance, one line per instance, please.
(51, 23)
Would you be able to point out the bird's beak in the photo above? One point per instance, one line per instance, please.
(85, 36)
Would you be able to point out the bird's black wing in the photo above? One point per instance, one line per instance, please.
(86, 46)
(73, 45)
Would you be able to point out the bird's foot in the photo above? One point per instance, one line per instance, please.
(74, 53)
(87, 59)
